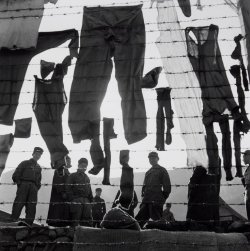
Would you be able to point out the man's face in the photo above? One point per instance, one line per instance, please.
(153, 160)
(37, 155)
(68, 162)
(98, 193)
(82, 167)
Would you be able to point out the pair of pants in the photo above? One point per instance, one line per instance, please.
(26, 196)
(212, 147)
(81, 214)
(164, 104)
(109, 32)
(14, 64)
(149, 211)
(48, 106)
(6, 142)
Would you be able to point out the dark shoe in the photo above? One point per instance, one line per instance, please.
(168, 138)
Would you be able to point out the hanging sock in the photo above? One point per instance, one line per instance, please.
(126, 182)
(198, 4)
(22, 128)
(6, 142)
(46, 68)
(237, 54)
(150, 80)
(164, 105)
(108, 133)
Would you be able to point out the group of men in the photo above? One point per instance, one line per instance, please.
(83, 207)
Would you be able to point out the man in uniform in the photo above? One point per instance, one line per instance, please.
(156, 189)
(98, 208)
(27, 176)
(80, 195)
(246, 181)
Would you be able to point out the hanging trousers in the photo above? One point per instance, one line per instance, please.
(14, 64)
(164, 104)
(109, 32)
(48, 106)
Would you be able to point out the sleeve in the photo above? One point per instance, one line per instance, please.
(18, 173)
(166, 184)
(69, 187)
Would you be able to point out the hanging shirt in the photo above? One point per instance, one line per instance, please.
(20, 21)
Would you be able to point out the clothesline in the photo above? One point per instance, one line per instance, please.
(118, 185)
(145, 150)
(81, 12)
(111, 4)
(111, 202)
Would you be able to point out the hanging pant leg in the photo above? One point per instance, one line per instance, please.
(91, 76)
(212, 149)
(160, 122)
(6, 142)
(237, 148)
(143, 215)
(226, 147)
(129, 64)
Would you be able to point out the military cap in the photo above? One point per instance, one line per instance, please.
(38, 150)
(82, 160)
(153, 154)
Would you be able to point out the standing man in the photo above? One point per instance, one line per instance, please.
(98, 208)
(28, 177)
(80, 195)
(156, 189)
(246, 181)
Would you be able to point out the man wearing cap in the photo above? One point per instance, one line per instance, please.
(80, 195)
(27, 176)
(156, 189)
(246, 181)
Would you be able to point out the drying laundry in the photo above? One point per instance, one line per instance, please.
(6, 142)
(237, 54)
(183, 81)
(48, 106)
(164, 105)
(23, 128)
(14, 64)
(217, 96)
(109, 32)
(108, 133)
(20, 22)
(150, 80)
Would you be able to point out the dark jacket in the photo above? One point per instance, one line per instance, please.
(201, 196)
(156, 186)
(78, 186)
(98, 208)
(28, 170)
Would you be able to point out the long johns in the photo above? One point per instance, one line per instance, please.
(107, 32)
